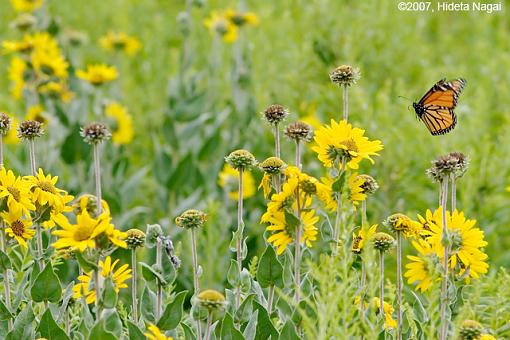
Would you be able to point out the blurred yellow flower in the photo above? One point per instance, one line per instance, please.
(122, 128)
(424, 268)
(389, 322)
(16, 74)
(36, 112)
(18, 226)
(119, 276)
(241, 18)
(12, 136)
(98, 74)
(217, 23)
(228, 179)
(119, 41)
(155, 334)
(26, 5)
(49, 64)
(339, 141)
(56, 90)
(359, 240)
(16, 191)
(309, 115)
(265, 184)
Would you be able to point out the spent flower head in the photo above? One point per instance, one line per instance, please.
(95, 133)
(275, 114)
(272, 165)
(135, 238)
(345, 75)
(299, 131)
(211, 299)
(24, 21)
(402, 223)
(470, 330)
(369, 185)
(191, 218)
(241, 159)
(454, 163)
(5, 124)
(30, 129)
(382, 241)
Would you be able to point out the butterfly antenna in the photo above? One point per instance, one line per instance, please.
(405, 98)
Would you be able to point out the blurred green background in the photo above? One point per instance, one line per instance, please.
(186, 119)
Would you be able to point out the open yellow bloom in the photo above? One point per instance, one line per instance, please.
(122, 131)
(18, 226)
(241, 18)
(44, 191)
(26, 5)
(56, 90)
(119, 276)
(425, 268)
(16, 74)
(16, 191)
(228, 179)
(98, 74)
(155, 334)
(339, 141)
(119, 41)
(49, 64)
(81, 235)
(363, 236)
(57, 214)
(217, 23)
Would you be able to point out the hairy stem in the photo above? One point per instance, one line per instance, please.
(297, 254)
(276, 132)
(97, 176)
(444, 283)
(381, 282)
(338, 215)
(346, 102)
(6, 274)
(159, 292)
(195, 275)
(97, 287)
(454, 192)
(239, 240)
(399, 285)
(208, 327)
(134, 303)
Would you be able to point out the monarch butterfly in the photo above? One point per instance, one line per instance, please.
(435, 108)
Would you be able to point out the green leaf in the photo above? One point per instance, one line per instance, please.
(73, 148)
(167, 268)
(23, 324)
(338, 185)
(270, 269)
(173, 313)
(265, 328)
(148, 273)
(85, 263)
(228, 330)
(291, 220)
(49, 328)
(147, 304)
(99, 332)
(251, 328)
(288, 332)
(5, 262)
(188, 332)
(112, 321)
(109, 295)
(46, 286)
(233, 275)
(244, 312)
(5, 314)
(134, 332)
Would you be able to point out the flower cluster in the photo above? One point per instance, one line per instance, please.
(226, 23)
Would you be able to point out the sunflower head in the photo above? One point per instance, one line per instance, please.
(191, 218)
(454, 163)
(24, 21)
(211, 299)
(95, 133)
(272, 165)
(5, 124)
(369, 185)
(345, 75)
(308, 186)
(275, 114)
(30, 129)
(402, 223)
(135, 238)
(299, 131)
(383, 242)
(470, 330)
(241, 159)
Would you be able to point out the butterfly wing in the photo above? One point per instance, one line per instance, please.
(435, 108)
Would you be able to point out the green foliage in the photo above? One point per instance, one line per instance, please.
(172, 315)
(46, 286)
(49, 329)
(270, 270)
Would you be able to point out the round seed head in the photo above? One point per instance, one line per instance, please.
(369, 185)
(135, 238)
(272, 165)
(5, 123)
(95, 133)
(299, 131)
(191, 219)
(211, 299)
(241, 159)
(24, 21)
(470, 330)
(382, 241)
(30, 129)
(345, 75)
(454, 163)
(75, 38)
(274, 114)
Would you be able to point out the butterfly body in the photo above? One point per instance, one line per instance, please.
(435, 108)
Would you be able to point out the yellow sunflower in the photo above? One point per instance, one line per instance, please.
(98, 74)
(119, 41)
(466, 256)
(424, 268)
(16, 74)
(56, 90)
(16, 191)
(359, 240)
(18, 226)
(119, 276)
(88, 202)
(155, 334)
(26, 5)
(49, 64)
(341, 140)
(36, 112)
(44, 191)
(241, 18)
(265, 184)
(217, 23)
(389, 322)
(57, 215)
(122, 131)
(14, 46)
(355, 185)
(228, 179)
(402, 223)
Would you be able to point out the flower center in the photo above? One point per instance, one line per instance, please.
(350, 146)
(47, 186)
(15, 193)
(83, 233)
(18, 228)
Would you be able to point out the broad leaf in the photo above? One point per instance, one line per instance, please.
(173, 313)
(134, 332)
(49, 328)
(270, 269)
(228, 330)
(288, 332)
(147, 304)
(46, 286)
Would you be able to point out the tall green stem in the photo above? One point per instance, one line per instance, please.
(239, 239)
(444, 283)
(399, 285)
(208, 327)
(338, 215)
(346, 102)
(159, 292)
(134, 277)
(276, 132)
(381, 282)
(196, 286)
(40, 261)
(299, 232)
(97, 177)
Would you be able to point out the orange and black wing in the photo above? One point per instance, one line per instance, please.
(444, 93)
(439, 120)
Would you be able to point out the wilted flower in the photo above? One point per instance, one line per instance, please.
(299, 131)
(191, 218)
(211, 299)
(135, 238)
(345, 75)
(272, 165)
(30, 129)
(470, 330)
(402, 223)
(275, 114)
(369, 185)
(454, 163)
(95, 133)
(5, 124)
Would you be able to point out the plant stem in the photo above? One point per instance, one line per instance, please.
(195, 275)
(208, 327)
(239, 240)
(346, 103)
(31, 149)
(270, 296)
(444, 283)
(381, 282)
(276, 132)
(97, 175)
(40, 261)
(363, 283)
(399, 285)
(159, 292)
(298, 154)
(67, 322)
(297, 254)
(1, 150)
(338, 215)
(454, 192)
(97, 287)
(6, 274)
(134, 303)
